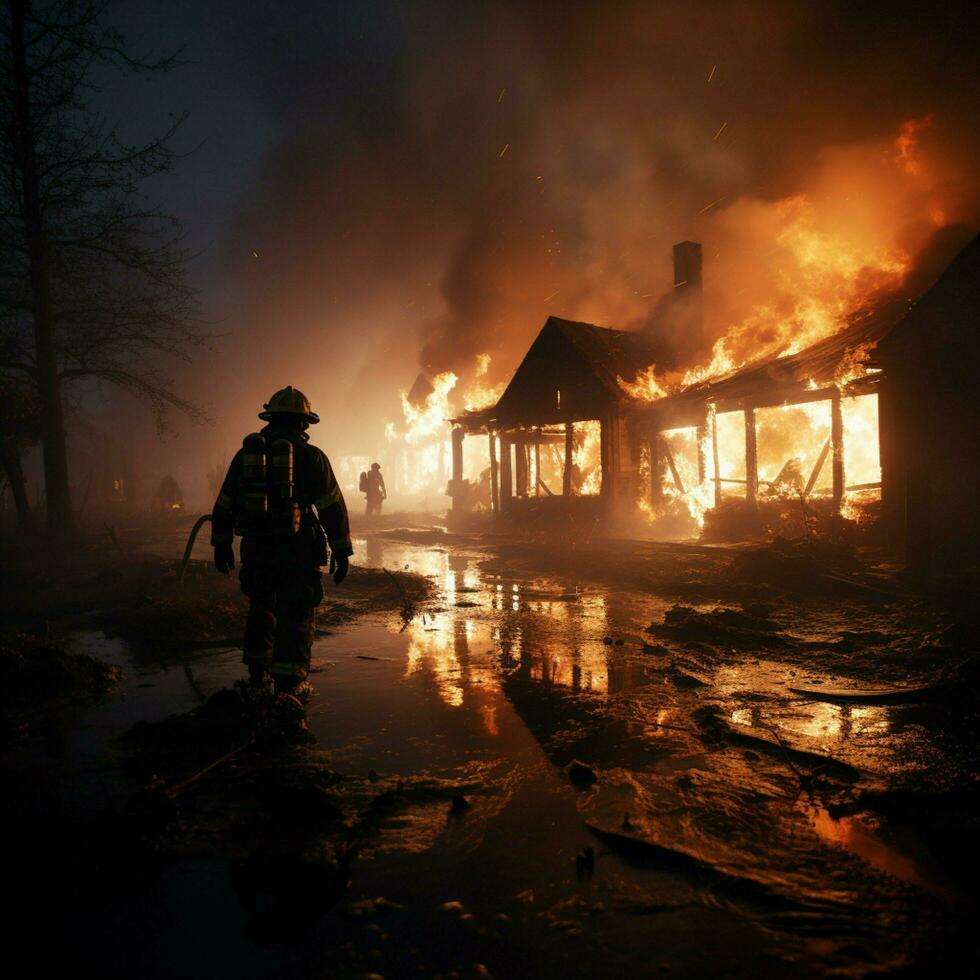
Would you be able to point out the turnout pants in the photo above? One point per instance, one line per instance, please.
(285, 588)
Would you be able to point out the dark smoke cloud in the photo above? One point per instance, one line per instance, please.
(448, 174)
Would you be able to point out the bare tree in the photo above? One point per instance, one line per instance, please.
(18, 432)
(92, 278)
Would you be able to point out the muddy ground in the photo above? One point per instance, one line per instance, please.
(521, 759)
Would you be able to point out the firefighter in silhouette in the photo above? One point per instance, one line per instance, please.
(168, 496)
(282, 497)
(374, 487)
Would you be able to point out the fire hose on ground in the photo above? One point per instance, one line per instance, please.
(198, 524)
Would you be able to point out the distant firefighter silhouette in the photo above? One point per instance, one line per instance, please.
(168, 496)
(372, 485)
(282, 497)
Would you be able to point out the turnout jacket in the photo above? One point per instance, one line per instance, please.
(315, 486)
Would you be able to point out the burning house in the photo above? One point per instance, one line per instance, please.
(870, 419)
(559, 436)
(884, 418)
(559, 432)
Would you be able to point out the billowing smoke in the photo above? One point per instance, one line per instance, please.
(449, 174)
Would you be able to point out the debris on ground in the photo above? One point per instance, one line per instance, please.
(34, 672)
(718, 733)
(890, 695)
(580, 774)
(720, 626)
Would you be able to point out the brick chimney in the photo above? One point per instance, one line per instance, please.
(688, 295)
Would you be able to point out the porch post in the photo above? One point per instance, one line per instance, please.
(494, 474)
(506, 481)
(520, 460)
(605, 457)
(610, 450)
(837, 445)
(714, 454)
(701, 435)
(569, 441)
(456, 487)
(751, 460)
(537, 462)
(656, 474)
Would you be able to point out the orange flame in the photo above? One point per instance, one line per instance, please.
(479, 394)
(431, 417)
(585, 456)
(644, 387)
(854, 364)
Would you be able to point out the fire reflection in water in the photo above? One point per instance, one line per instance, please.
(822, 721)
(456, 653)
(463, 651)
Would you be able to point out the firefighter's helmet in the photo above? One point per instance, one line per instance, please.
(289, 401)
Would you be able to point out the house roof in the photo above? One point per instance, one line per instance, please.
(774, 380)
(944, 320)
(611, 353)
(600, 353)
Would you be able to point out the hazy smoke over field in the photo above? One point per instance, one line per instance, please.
(449, 174)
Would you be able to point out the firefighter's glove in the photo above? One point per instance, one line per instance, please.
(339, 564)
(224, 558)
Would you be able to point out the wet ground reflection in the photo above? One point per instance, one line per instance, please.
(709, 847)
(505, 670)
(556, 635)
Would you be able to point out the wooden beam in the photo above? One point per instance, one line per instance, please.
(607, 463)
(520, 467)
(537, 464)
(751, 459)
(506, 481)
(776, 397)
(817, 467)
(456, 486)
(458, 436)
(714, 456)
(494, 475)
(656, 478)
(837, 444)
(701, 445)
(665, 446)
(569, 445)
